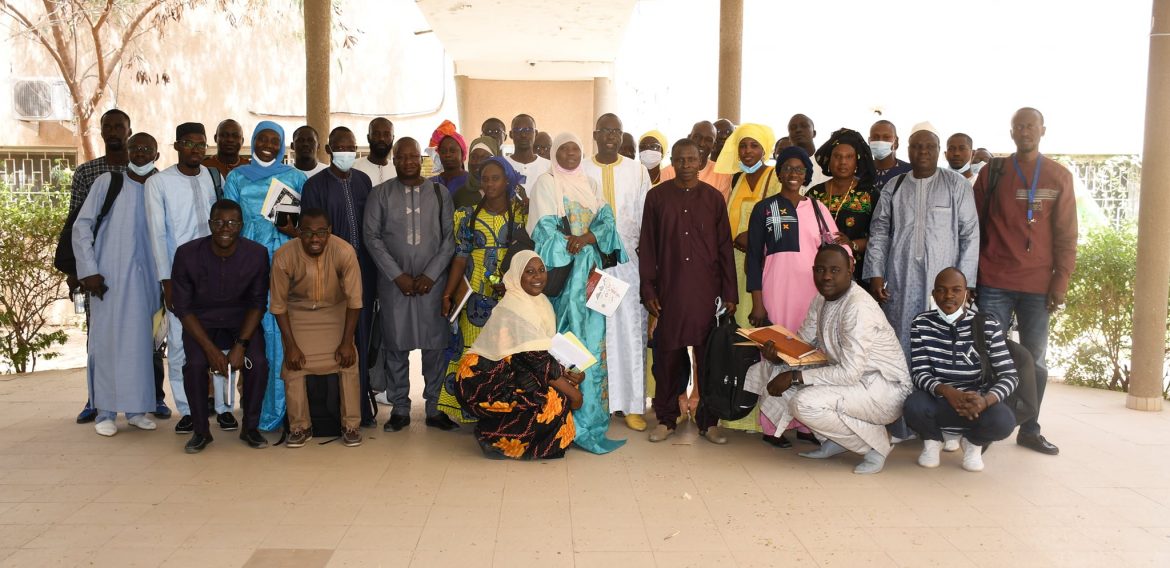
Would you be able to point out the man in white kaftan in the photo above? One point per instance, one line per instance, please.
(178, 205)
(624, 183)
(924, 221)
(116, 266)
(848, 402)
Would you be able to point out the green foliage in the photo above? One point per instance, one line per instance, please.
(1097, 322)
(28, 282)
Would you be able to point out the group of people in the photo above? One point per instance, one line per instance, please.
(892, 268)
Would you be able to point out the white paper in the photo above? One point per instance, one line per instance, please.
(608, 294)
(280, 199)
(570, 352)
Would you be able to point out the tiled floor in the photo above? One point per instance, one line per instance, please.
(424, 498)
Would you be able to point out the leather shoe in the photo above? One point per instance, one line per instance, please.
(779, 441)
(442, 422)
(254, 439)
(808, 437)
(1038, 443)
(396, 423)
(197, 443)
(186, 425)
(87, 414)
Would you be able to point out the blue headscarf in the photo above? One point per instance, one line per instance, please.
(510, 173)
(799, 153)
(253, 170)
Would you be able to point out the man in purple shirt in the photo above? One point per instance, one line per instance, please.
(219, 284)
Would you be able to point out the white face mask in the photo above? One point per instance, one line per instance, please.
(952, 318)
(650, 158)
(263, 163)
(976, 167)
(344, 160)
(880, 149)
(964, 169)
(141, 170)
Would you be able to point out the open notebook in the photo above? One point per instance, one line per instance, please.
(789, 347)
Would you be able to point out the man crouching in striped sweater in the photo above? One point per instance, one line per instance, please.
(952, 398)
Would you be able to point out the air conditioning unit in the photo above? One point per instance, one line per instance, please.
(41, 99)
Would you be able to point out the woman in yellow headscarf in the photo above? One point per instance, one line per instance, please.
(743, 156)
(652, 148)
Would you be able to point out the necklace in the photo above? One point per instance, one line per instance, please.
(844, 198)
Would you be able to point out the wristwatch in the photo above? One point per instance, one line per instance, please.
(243, 342)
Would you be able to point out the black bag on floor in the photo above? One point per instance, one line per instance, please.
(1023, 401)
(725, 371)
(324, 394)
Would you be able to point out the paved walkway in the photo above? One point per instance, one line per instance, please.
(69, 497)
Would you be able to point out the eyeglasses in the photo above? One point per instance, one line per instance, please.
(305, 234)
(140, 149)
(189, 145)
(524, 130)
(793, 170)
(220, 223)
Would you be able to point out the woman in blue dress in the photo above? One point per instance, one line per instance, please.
(248, 185)
(566, 195)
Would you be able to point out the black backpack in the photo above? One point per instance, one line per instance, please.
(725, 372)
(1023, 401)
(324, 396)
(63, 258)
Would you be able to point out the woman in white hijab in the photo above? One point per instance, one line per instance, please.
(572, 225)
(520, 394)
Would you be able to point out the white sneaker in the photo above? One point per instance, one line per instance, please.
(106, 428)
(950, 442)
(972, 455)
(930, 453)
(380, 398)
(142, 423)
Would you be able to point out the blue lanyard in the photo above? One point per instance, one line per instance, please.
(1031, 187)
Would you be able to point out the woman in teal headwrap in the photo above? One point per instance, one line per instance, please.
(248, 185)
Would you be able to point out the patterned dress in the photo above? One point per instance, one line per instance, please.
(851, 212)
(484, 244)
(520, 415)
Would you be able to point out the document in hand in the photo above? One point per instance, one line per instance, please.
(604, 292)
(571, 353)
(789, 347)
(280, 199)
(463, 292)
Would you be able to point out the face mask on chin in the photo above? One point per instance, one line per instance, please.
(142, 170)
(752, 169)
(963, 169)
(976, 167)
(952, 318)
(881, 150)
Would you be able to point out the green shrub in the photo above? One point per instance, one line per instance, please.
(28, 282)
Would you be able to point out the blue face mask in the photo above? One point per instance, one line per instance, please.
(344, 160)
(752, 169)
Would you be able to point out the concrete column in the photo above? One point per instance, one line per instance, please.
(730, 58)
(318, 16)
(604, 97)
(1153, 264)
(462, 91)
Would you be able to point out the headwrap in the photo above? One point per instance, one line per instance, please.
(487, 143)
(447, 130)
(729, 157)
(798, 153)
(510, 173)
(866, 172)
(660, 137)
(520, 322)
(571, 185)
(253, 170)
(189, 128)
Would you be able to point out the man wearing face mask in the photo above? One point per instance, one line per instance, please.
(116, 268)
(178, 204)
(342, 192)
(624, 183)
(377, 163)
(650, 148)
(950, 399)
(883, 143)
(959, 155)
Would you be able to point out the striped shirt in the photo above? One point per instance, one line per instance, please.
(945, 354)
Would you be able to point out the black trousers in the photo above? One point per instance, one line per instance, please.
(928, 414)
(672, 369)
(195, 375)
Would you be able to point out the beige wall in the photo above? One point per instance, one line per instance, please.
(558, 106)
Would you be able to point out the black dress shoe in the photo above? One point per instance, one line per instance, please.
(254, 439)
(442, 422)
(1038, 443)
(369, 423)
(186, 425)
(808, 437)
(396, 423)
(779, 441)
(197, 443)
(227, 422)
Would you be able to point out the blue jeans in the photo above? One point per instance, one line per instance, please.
(1031, 316)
